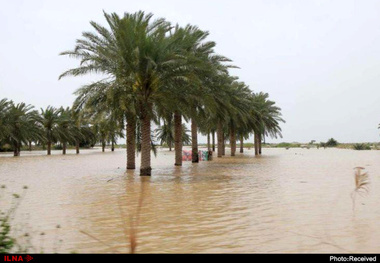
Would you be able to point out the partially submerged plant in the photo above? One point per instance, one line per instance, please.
(9, 243)
(361, 184)
(134, 221)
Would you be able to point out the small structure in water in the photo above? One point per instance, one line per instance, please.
(202, 155)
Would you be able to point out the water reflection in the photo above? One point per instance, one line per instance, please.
(286, 201)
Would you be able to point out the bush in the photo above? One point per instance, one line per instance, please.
(361, 146)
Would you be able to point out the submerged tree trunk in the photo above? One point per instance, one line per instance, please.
(64, 146)
(77, 146)
(256, 144)
(208, 142)
(145, 168)
(220, 140)
(213, 141)
(131, 142)
(194, 142)
(223, 144)
(233, 141)
(259, 138)
(178, 138)
(241, 144)
(49, 148)
(16, 149)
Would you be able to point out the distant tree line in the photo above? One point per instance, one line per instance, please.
(21, 124)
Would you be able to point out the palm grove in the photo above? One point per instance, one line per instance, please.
(153, 72)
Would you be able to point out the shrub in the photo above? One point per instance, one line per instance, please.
(361, 146)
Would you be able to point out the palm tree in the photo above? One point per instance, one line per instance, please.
(126, 54)
(114, 98)
(102, 127)
(267, 117)
(84, 131)
(220, 107)
(50, 119)
(240, 96)
(146, 56)
(69, 129)
(100, 52)
(165, 134)
(20, 121)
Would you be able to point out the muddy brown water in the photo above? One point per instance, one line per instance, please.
(295, 200)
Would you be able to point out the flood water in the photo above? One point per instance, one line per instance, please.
(295, 200)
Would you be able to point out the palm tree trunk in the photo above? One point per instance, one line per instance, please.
(15, 149)
(256, 144)
(223, 144)
(112, 146)
(208, 142)
(77, 146)
(213, 141)
(220, 140)
(49, 148)
(259, 138)
(145, 168)
(241, 144)
(233, 141)
(170, 146)
(131, 142)
(103, 146)
(30, 146)
(64, 148)
(194, 141)
(178, 138)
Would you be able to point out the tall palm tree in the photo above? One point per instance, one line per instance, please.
(134, 52)
(70, 132)
(83, 130)
(50, 119)
(267, 118)
(240, 96)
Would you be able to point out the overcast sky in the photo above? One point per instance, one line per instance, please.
(319, 60)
